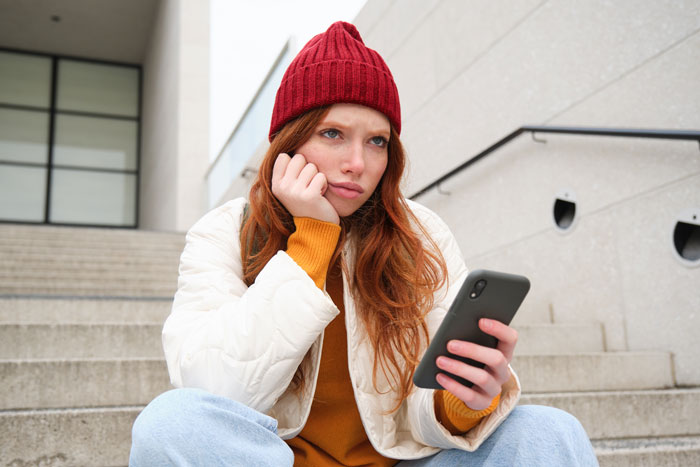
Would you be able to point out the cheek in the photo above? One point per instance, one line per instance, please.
(313, 155)
(377, 171)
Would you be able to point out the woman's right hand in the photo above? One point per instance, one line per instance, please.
(300, 187)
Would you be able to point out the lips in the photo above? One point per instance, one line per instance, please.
(346, 190)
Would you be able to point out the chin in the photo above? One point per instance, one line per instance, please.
(345, 209)
(346, 212)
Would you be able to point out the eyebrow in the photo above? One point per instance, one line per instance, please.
(380, 132)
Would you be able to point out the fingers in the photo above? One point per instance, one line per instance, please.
(300, 187)
(494, 360)
(279, 169)
(308, 172)
(488, 381)
(474, 397)
(287, 167)
(481, 378)
(319, 183)
(291, 175)
(507, 336)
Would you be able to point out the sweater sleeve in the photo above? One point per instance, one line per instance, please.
(456, 416)
(312, 245)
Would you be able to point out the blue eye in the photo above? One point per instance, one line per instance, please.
(379, 141)
(333, 134)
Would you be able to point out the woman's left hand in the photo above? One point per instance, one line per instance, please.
(487, 381)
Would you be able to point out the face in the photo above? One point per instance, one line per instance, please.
(350, 147)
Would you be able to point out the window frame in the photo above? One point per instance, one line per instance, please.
(53, 113)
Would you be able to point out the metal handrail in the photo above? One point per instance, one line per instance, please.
(618, 132)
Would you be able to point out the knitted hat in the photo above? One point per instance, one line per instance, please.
(335, 67)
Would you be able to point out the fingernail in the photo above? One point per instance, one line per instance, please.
(486, 323)
(452, 346)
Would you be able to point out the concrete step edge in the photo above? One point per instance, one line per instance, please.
(93, 242)
(84, 250)
(628, 414)
(94, 382)
(116, 360)
(96, 291)
(50, 231)
(610, 446)
(109, 274)
(29, 298)
(86, 326)
(68, 437)
(68, 410)
(7, 246)
(137, 275)
(113, 287)
(84, 309)
(656, 452)
(643, 392)
(538, 338)
(29, 261)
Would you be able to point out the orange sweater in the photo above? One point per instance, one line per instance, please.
(334, 435)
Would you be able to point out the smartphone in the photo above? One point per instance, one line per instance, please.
(484, 294)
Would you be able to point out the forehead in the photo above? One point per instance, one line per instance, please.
(358, 115)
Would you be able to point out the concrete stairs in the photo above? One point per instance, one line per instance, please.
(81, 312)
(626, 401)
(80, 317)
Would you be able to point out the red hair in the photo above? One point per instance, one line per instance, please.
(397, 266)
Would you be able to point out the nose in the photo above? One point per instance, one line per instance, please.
(353, 160)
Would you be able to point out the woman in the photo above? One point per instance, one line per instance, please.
(301, 313)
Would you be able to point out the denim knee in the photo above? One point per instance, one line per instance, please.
(555, 421)
(161, 422)
(559, 435)
(193, 427)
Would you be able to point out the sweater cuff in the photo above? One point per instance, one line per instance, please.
(312, 245)
(454, 414)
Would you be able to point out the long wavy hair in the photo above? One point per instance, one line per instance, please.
(397, 267)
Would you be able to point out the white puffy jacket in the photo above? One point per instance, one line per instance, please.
(246, 343)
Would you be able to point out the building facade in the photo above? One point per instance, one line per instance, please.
(110, 126)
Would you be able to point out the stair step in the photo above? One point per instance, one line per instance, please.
(95, 377)
(35, 309)
(81, 383)
(598, 371)
(124, 275)
(29, 261)
(31, 341)
(87, 251)
(657, 452)
(70, 437)
(629, 414)
(146, 245)
(90, 288)
(541, 339)
(49, 233)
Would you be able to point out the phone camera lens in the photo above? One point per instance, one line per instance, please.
(478, 288)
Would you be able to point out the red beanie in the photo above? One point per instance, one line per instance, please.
(335, 67)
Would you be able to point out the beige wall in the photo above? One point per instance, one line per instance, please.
(174, 137)
(470, 72)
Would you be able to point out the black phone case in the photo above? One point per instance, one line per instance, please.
(499, 300)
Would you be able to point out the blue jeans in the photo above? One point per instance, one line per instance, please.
(193, 427)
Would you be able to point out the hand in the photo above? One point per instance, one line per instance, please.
(300, 188)
(488, 381)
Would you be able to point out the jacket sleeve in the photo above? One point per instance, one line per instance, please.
(231, 340)
(423, 421)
